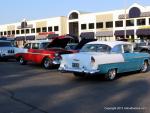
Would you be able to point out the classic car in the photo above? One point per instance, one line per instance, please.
(105, 58)
(47, 54)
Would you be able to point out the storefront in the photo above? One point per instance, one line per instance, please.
(21, 40)
(104, 35)
(120, 35)
(143, 34)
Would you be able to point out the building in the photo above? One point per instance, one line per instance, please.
(35, 29)
(132, 23)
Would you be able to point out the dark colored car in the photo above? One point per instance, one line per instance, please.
(142, 47)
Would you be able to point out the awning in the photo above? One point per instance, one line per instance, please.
(21, 38)
(40, 37)
(3, 38)
(46, 33)
(30, 37)
(87, 35)
(143, 32)
(104, 34)
(122, 32)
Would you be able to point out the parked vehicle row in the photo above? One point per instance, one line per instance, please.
(87, 58)
(48, 53)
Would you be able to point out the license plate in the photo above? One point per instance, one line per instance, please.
(75, 65)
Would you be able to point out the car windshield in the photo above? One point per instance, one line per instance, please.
(141, 44)
(5, 44)
(95, 48)
(44, 45)
(71, 47)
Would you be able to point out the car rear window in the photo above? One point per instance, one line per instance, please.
(5, 44)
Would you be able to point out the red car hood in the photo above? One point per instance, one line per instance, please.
(59, 42)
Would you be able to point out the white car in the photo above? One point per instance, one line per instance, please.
(7, 51)
(108, 58)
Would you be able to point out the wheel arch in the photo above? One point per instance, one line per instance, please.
(146, 60)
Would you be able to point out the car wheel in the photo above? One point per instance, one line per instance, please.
(79, 74)
(47, 63)
(144, 67)
(111, 74)
(22, 61)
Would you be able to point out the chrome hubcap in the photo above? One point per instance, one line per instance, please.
(47, 63)
(112, 74)
(144, 67)
(21, 60)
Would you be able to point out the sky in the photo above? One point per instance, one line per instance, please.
(12, 11)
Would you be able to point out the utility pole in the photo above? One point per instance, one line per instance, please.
(125, 17)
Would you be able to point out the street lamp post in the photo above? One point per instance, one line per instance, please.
(24, 26)
(125, 17)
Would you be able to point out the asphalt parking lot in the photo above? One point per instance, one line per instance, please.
(32, 89)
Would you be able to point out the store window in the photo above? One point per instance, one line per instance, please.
(13, 32)
(22, 31)
(129, 22)
(33, 30)
(83, 26)
(27, 31)
(5, 33)
(17, 31)
(91, 25)
(99, 25)
(50, 29)
(118, 23)
(109, 24)
(1, 33)
(38, 30)
(9, 33)
(141, 22)
(73, 15)
(134, 12)
(56, 28)
(44, 29)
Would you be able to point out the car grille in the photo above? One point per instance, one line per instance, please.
(10, 51)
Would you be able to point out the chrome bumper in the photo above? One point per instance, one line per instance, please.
(78, 70)
(56, 62)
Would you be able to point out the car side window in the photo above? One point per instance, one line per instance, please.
(117, 49)
(5, 44)
(43, 45)
(27, 46)
(127, 48)
(35, 46)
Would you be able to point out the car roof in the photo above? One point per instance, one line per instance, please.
(72, 44)
(109, 43)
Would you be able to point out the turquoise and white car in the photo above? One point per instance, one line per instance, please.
(103, 57)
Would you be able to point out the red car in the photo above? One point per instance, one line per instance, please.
(48, 56)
